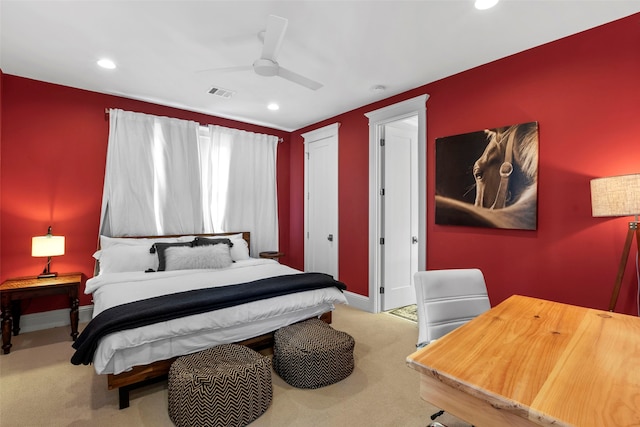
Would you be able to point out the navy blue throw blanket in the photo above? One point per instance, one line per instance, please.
(166, 307)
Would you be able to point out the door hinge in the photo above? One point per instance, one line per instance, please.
(382, 289)
(382, 240)
(381, 142)
(382, 191)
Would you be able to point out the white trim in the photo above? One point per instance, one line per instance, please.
(358, 301)
(53, 319)
(377, 118)
(321, 133)
(325, 132)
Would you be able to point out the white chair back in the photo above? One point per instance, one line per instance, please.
(447, 299)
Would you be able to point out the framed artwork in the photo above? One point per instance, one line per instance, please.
(488, 178)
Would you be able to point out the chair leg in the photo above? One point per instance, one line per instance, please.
(435, 423)
(436, 415)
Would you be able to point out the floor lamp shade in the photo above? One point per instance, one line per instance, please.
(615, 195)
(618, 196)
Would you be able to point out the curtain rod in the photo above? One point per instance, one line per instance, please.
(106, 116)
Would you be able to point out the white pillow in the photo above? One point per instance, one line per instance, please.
(233, 236)
(197, 257)
(119, 258)
(240, 249)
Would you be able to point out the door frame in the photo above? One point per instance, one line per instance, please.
(310, 137)
(377, 119)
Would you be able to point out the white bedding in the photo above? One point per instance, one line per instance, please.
(120, 351)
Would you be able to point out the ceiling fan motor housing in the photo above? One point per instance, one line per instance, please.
(265, 67)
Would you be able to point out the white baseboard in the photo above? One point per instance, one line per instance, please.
(53, 319)
(358, 301)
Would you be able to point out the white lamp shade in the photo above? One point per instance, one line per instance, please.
(616, 195)
(47, 245)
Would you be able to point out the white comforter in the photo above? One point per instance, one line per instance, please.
(120, 351)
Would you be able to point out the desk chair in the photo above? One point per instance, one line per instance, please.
(447, 299)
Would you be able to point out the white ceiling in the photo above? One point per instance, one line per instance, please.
(161, 47)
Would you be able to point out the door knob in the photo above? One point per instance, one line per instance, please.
(330, 237)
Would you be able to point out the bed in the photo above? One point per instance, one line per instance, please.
(157, 298)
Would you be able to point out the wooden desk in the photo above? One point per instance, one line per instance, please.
(532, 362)
(14, 290)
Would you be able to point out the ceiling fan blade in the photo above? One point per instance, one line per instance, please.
(227, 69)
(297, 78)
(273, 36)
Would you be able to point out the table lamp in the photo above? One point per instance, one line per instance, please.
(618, 196)
(48, 246)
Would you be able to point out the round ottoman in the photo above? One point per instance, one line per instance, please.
(227, 385)
(311, 354)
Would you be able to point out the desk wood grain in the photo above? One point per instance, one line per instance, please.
(534, 362)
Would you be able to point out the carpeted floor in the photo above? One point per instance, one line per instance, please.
(409, 312)
(40, 387)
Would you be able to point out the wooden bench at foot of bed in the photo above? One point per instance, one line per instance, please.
(140, 376)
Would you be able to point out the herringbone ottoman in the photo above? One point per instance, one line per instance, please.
(227, 385)
(311, 354)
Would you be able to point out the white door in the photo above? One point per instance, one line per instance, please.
(321, 201)
(399, 205)
(414, 110)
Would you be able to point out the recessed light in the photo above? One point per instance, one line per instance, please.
(485, 4)
(273, 106)
(107, 63)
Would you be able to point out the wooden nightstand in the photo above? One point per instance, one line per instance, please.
(14, 290)
(271, 254)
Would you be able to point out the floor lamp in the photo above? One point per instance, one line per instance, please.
(618, 196)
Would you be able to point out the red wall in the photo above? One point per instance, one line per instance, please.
(582, 90)
(585, 93)
(53, 152)
(1, 102)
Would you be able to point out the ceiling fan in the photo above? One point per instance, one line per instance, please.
(267, 65)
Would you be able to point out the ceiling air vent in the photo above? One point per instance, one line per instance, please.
(223, 93)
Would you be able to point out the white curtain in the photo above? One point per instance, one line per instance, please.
(169, 176)
(152, 176)
(239, 184)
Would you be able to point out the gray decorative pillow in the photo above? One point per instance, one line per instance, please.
(197, 257)
(161, 247)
